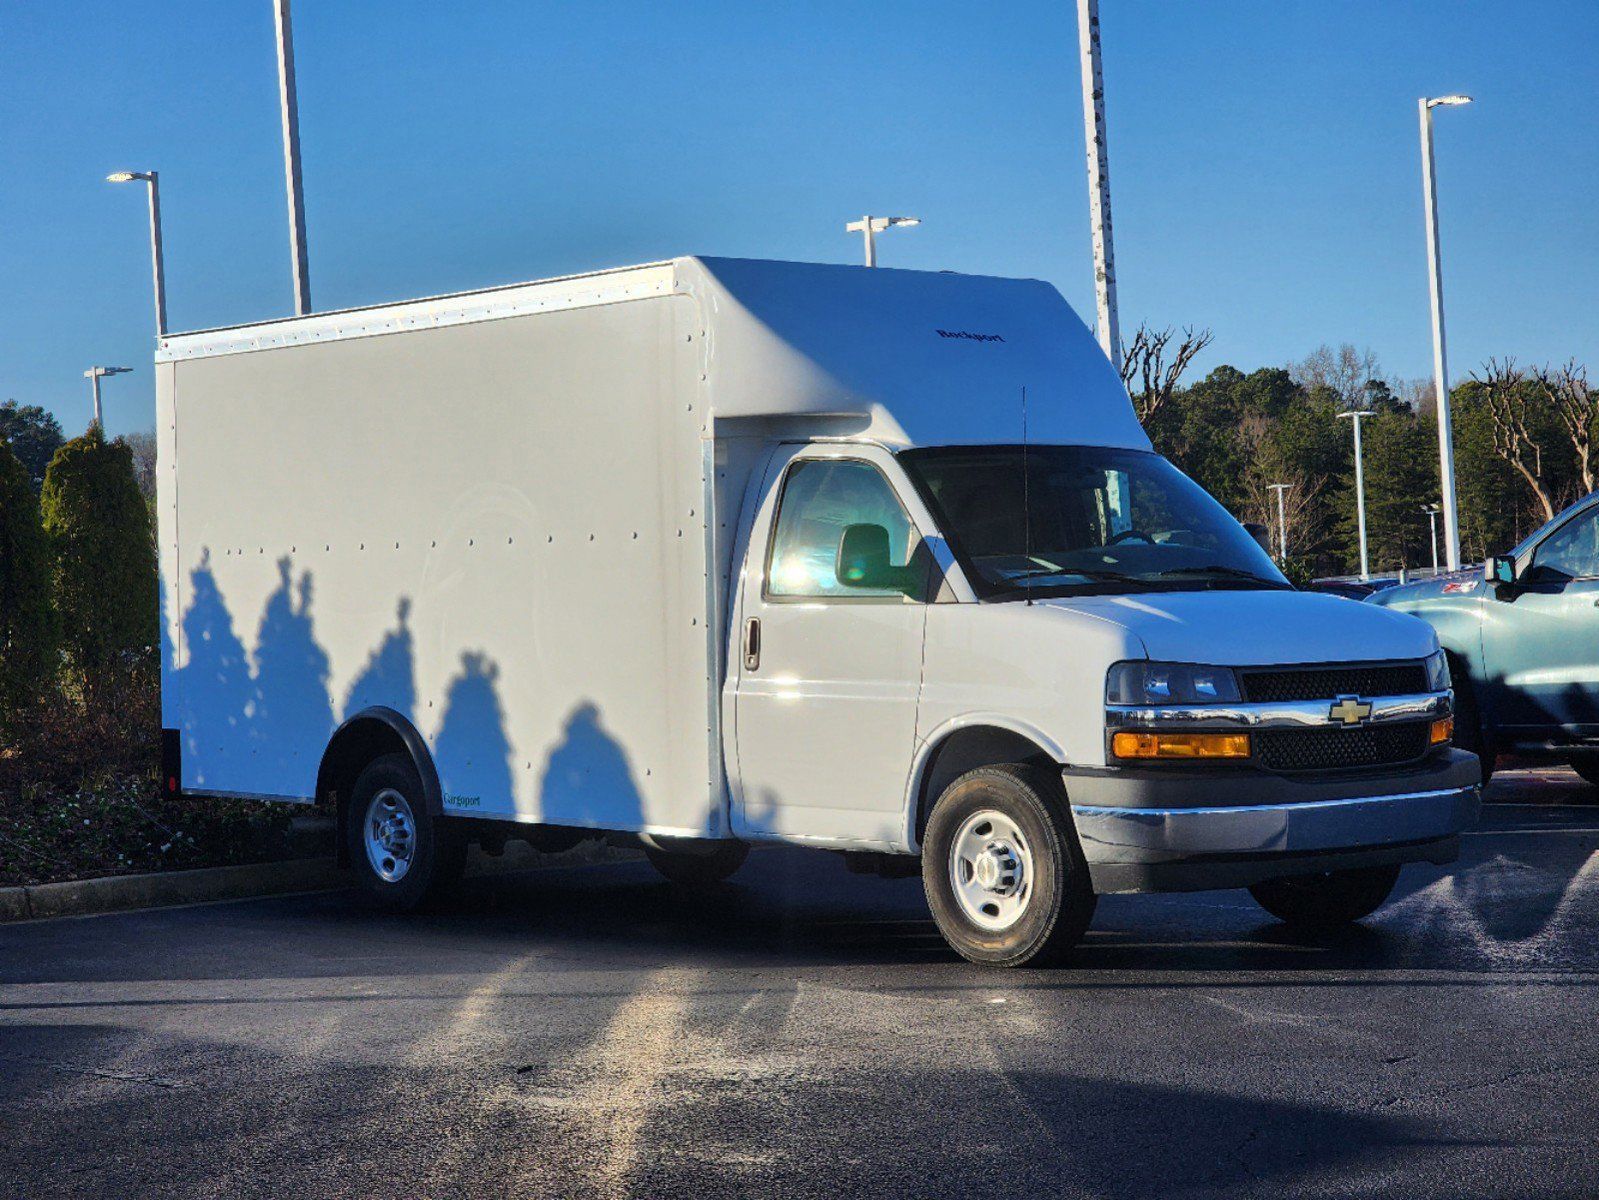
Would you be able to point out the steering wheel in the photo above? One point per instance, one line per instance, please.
(1125, 534)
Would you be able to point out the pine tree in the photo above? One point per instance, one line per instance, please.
(27, 622)
(104, 578)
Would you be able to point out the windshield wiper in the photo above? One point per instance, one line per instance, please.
(1085, 572)
(1224, 572)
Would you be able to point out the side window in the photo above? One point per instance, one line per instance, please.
(1572, 551)
(821, 497)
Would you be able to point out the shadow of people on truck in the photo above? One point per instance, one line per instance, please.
(588, 777)
(292, 717)
(214, 686)
(472, 752)
(389, 676)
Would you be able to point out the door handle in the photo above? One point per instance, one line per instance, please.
(752, 644)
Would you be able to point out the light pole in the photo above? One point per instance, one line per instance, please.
(94, 375)
(1108, 325)
(291, 158)
(1282, 521)
(870, 227)
(1355, 415)
(1432, 511)
(153, 178)
(1440, 368)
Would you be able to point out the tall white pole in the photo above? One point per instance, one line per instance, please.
(1108, 326)
(291, 158)
(871, 241)
(1355, 416)
(1440, 368)
(1282, 520)
(94, 390)
(155, 255)
(1432, 523)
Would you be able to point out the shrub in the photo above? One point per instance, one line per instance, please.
(27, 622)
(104, 577)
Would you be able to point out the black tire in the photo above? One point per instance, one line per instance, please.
(1469, 733)
(1059, 901)
(1327, 899)
(697, 864)
(438, 851)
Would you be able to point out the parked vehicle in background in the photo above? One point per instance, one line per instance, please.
(715, 551)
(1348, 589)
(1522, 635)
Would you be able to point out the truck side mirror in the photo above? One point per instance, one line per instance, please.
(863, 560)
(1260, 533)
(1500, 568)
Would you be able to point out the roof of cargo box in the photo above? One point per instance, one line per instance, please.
(918, 357)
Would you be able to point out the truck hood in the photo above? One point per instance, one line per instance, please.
(1467, 584)
(1244, 628)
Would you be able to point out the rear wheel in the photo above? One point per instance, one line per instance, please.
(403, 855)
(1003, 872)
(696, 863)
(1328, 898)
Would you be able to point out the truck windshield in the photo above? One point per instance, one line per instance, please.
(1065, 520)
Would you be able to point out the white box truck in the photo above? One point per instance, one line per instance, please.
(714, 552)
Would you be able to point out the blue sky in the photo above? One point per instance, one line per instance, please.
(1264, 161)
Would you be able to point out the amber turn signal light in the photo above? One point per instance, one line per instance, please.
(1180, 745)
(1442, 731)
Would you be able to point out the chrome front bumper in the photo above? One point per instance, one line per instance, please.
(1140, 844)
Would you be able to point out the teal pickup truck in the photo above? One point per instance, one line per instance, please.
(1522, 636)
(1523, 644)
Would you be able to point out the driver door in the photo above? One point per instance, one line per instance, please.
(828, 676)
(1540, 637)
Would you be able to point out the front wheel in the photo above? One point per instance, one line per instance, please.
(403, 855)
(1003, 872)
(1326, 899)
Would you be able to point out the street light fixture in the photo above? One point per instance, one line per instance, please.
(94, 375)
(153, 178)
(1432, 511)
(1354, 415)
(872, 226)
(1446, 445)
(1282, 521)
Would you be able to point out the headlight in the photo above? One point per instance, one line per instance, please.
(1437, 672)
(1170, 683)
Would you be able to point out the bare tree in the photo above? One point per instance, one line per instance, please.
(1577, 406)
(1504, 389)
(1149, 375)
(1346, 371)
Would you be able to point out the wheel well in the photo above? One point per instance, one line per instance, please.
(966, 750)
(367, 735)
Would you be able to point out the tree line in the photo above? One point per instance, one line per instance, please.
(1523, 440)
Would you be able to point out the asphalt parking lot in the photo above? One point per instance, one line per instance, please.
(591, 1032)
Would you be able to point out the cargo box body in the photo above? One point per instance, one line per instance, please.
(509, 516)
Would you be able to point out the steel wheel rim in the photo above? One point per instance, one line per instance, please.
(991, 870)
(389, 834)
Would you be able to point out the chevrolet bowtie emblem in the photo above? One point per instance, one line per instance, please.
(1351, 710)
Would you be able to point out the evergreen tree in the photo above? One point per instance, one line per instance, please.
(104, 578)
(33, 434)
(27, 622)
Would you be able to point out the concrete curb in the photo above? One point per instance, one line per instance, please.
(165, 889)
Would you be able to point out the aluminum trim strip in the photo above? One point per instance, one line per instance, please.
(1145, 815)
(1300, 714)
(554, 295)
